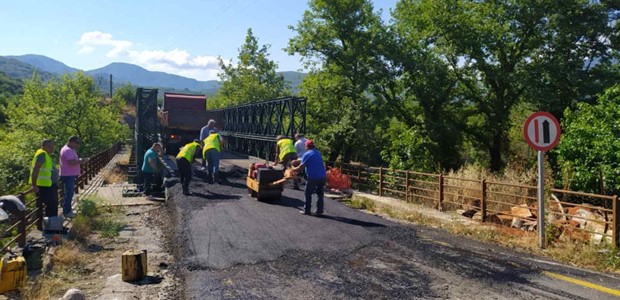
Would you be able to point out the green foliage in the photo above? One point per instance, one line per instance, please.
(252, 79)
(496, 49)
(589, 150)
(125, 94)
(408, 148)
(88, 208)
(339, 41)
(56, 110)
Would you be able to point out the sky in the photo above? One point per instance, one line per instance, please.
(182, 37)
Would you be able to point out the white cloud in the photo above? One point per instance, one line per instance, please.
(176, 61)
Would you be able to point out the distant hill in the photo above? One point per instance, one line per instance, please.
(294, 78)
(138, 76)
(20, 70)
(45, 63)
(23, 66)
(9, 86)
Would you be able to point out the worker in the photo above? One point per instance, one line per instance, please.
(150, 167)
(312, 161)
(204, 133)
(69, 172)
(185, 158)
(285, 154)
(44, 178)
(211, 154)
(300, 148)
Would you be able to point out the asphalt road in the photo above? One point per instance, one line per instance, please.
(229, 245)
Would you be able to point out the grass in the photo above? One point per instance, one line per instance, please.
(115, 176)
(598, 257)
(101, 219)
(68, 261)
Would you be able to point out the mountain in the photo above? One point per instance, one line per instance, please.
(44, 63)
(23, 66)
(138, 76)
(294, 78)
(20, 70)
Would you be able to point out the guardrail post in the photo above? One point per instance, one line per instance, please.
(441, 195)
(483, 200)
(39, 208)
(380, 181)
(407, 186)
(21, 227)
(616, 224)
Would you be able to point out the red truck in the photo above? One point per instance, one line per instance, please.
(182, 116)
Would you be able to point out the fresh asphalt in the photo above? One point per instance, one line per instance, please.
(229, 245)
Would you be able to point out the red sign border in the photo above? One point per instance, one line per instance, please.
(527, 138)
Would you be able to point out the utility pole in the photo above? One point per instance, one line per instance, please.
(110, 85)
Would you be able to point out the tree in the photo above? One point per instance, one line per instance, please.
(338, 41)
(253, 78)
(589, 150)
(490, 48)
(57, 110)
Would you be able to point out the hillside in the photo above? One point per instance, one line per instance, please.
(23, 66)
(45, 63)
(138, 76)
(20, 70)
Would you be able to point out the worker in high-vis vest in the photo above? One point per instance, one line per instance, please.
(185, 158)
(286, 154)
(211, 154)
(44, 178)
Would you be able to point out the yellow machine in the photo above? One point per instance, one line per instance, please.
(13, 273)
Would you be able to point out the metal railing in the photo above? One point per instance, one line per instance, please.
(494, 201)
(33, 216)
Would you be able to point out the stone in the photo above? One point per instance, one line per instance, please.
(73, 294)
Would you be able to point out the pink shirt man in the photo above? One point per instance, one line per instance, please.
(67, 154)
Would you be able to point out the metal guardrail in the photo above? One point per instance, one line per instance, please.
(490, 198)
(33, 216)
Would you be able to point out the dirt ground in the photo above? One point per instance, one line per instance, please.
(94, 265)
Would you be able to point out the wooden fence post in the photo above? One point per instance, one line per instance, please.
(39, 214)
(23, 222)
(380, 181)
(440, 204)
(359, 177)
(407, 186)
(483, 200)
(616, 223)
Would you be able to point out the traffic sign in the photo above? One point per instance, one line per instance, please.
(542, 131)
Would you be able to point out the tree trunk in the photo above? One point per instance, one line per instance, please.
(495, 152)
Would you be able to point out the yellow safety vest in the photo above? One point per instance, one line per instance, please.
(286, 146)
(188, 151)
(45, 172)
(212, 142)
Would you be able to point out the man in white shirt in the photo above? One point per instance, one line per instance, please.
(300, 148)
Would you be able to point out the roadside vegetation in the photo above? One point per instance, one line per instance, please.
(570, 251)
(71, 261)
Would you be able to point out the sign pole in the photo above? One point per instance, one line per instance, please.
(541, 199)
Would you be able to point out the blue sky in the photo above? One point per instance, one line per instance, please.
(182, 37)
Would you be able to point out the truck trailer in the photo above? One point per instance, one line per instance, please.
(182, 116)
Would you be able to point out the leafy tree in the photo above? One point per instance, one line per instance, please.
(253, 78)
(57, 110)
(491, 47)
(589, 149)
(338, 41)
(9, 89)
(126, 94)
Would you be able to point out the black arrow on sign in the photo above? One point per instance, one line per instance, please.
(546, 133)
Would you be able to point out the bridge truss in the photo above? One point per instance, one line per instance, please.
(252, 128)
(147, 126)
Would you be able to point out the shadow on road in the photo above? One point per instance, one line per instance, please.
(288, 202)
(216, 196)
(352, 221)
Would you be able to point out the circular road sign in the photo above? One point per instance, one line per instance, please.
(542, 131)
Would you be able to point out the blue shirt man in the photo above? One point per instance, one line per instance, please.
(312, 160)
(150, 167)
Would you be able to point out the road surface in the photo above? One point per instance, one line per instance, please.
(231, 246)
